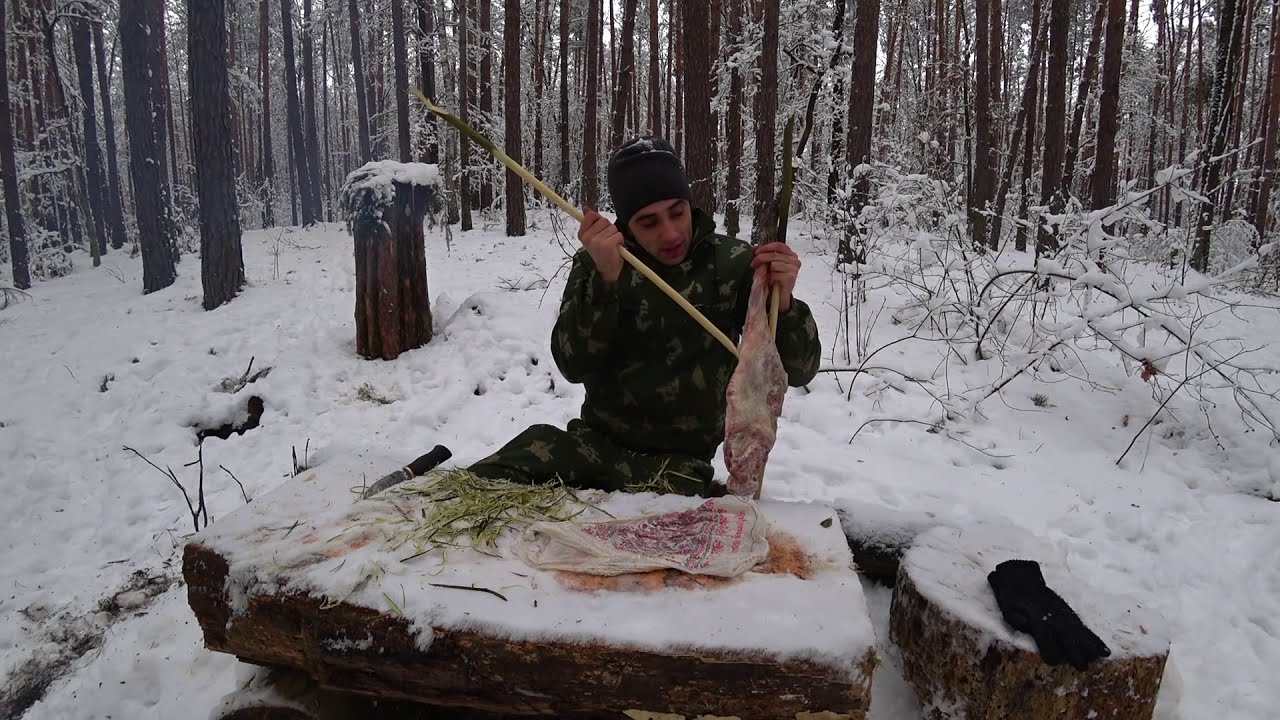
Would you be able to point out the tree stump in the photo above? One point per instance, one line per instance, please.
(964, 661)
(386, 203)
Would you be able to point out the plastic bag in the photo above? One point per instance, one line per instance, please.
(724, 537)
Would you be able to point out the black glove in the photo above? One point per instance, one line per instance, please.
(1029, 606)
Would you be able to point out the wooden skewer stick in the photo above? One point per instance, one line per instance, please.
(784, 209)
(574, 212)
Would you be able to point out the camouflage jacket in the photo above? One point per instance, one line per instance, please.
(655, 379)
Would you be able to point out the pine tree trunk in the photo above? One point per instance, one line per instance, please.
(862, 90)
(264, 80)
(626, 75)
(174, 178)
(539, 69)
(114, 193)
(1226, 204)
(984, 161)
(309, 116)
(1262, 191)
(765, 220)
(401, 63)
(464, 101)
(1023, 125)
(669, 108)
(733, 123)
(140, 59)
(325, 36)
(1215, 137)
(996, 76)
(696, 30)
(427, 72)
(362, 96)
(681, 60)
(655, 89)
(1051, 190)
(486, 91)
(1082, 97)
(511, 108)
(18, 253)
(302, 171)
(97, 181)
(590, 144)
(377, 91)
(1158, 13)
(221, 260)
(1104, 166)
(940, 96)
(1031, 101)
(79, 222)
(564, 96)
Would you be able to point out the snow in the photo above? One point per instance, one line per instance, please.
(382, 173)
(371, 187)
(323, 542)
(1179, 524)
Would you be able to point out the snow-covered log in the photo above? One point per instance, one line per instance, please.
(386, 203)
(305, 578)
(964, 661)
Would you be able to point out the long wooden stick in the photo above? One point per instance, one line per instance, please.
(576, 214)
(784, 208)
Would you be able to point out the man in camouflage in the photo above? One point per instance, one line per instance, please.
(655, 380)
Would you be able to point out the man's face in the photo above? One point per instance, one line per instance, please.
(664, 229)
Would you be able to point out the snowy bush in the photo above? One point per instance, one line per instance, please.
(1022, 311)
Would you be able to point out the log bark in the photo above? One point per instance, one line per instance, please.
(469, 670)
(979, 673)
(393, 309)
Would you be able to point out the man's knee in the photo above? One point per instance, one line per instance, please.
(528, 457)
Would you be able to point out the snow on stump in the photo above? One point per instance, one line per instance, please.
(385, 204)
(964, 661)
(305, 578)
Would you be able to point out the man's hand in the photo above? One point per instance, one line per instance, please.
(784, 268)
(602, 239)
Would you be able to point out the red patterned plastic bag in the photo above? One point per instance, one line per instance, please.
(724, 537)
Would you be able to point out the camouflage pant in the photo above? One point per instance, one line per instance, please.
(586, 458)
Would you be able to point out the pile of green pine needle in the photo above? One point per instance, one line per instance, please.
(455, 508)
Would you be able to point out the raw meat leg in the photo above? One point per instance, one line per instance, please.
(754, 396)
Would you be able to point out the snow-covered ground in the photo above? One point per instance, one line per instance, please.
(92, 534)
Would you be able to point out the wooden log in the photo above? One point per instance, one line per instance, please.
(271, 584)
(386, 203)
(472, 670)
(964, 661)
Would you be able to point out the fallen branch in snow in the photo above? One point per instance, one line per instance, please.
(1156, 414)
(243, 494)
(11, 296)
(933, 428)
(494, 593)
(197, 509)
